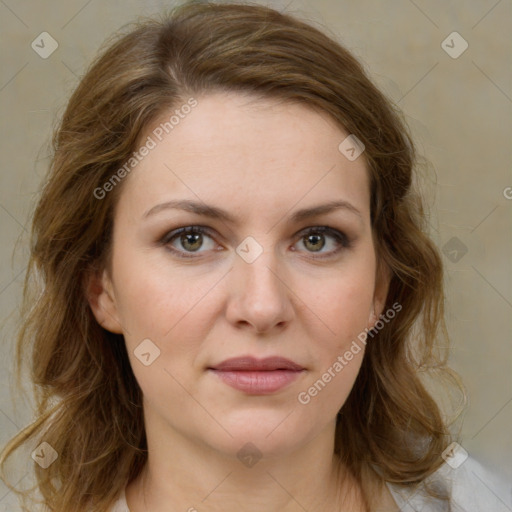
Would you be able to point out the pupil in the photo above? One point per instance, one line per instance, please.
(192, 239)
(317, 241)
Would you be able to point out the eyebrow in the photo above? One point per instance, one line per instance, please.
(220, 214)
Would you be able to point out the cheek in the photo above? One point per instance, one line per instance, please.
(338, 351)
(155, 300)
(344, 304)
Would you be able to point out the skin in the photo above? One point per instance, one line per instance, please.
(260, 160)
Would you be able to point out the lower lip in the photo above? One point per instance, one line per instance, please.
(258, 382)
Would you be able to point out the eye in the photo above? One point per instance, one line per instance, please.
(317, 238)
(189, 240)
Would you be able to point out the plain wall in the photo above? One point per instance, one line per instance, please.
(458, 108)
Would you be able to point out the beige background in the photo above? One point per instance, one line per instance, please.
(459, 110)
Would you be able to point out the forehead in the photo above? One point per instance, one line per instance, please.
(243, 151)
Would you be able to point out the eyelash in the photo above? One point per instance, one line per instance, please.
(341, 239)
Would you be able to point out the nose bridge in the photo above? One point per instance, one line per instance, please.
(261, 277)
(259, 295)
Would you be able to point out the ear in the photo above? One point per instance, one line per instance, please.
(382, 280)
(100, 295)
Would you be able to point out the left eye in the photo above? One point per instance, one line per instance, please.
(316, 239)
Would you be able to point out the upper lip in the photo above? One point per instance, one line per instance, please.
(249, 363)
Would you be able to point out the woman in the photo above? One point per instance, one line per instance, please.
(236, 292)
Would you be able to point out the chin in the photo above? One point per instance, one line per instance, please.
(270, 433)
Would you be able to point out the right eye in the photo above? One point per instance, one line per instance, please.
(186, 242)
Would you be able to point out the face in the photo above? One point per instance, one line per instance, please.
(236, 283)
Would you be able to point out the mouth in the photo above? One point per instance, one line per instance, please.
(258, 376)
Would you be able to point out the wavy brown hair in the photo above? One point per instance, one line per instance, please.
(89, 405)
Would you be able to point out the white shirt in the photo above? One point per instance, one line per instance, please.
(471, 486)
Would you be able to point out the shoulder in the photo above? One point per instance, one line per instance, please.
(471, 487)
(120, 505)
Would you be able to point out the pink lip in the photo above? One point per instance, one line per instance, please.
(258, 376)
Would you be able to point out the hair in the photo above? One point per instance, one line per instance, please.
(88, 402)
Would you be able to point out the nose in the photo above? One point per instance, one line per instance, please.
(259, 297)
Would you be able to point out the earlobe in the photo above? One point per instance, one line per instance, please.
(382, 281)
(376, 311)
(101, 298)
(372, 317)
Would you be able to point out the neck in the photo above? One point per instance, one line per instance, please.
(183, 474)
